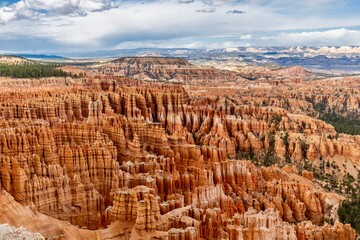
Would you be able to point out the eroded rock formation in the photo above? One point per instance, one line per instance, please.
(131, 160)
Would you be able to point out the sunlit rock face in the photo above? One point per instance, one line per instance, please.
(125, 159)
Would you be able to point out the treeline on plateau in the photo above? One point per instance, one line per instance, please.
(31, 71)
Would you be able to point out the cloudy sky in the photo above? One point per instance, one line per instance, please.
(64, 26)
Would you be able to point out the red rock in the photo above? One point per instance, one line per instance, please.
(134, 159)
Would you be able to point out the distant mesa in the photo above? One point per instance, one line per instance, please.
(153, 60)
(158, 69)
(295, 71)
(182, 71)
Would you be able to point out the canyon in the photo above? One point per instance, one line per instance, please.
(159, 148)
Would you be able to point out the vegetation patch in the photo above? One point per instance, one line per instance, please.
(31, 71)
(347, 125)
(342, 124)
(349, 212)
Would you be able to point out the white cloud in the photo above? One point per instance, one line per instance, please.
(39, 8)
(186, 1)
(245, 37)
(340, 36)
(304, 3)
(106, 24)
(183, 43)
(206, 10)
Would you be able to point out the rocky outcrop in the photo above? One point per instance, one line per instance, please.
(339, 231)
(295, 71)
(10, 233)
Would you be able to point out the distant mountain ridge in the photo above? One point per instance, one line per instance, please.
(40, 56)
(337, 60)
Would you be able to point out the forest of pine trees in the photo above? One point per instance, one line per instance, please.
(31, 71)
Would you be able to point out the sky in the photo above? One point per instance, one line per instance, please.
(65, 26)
